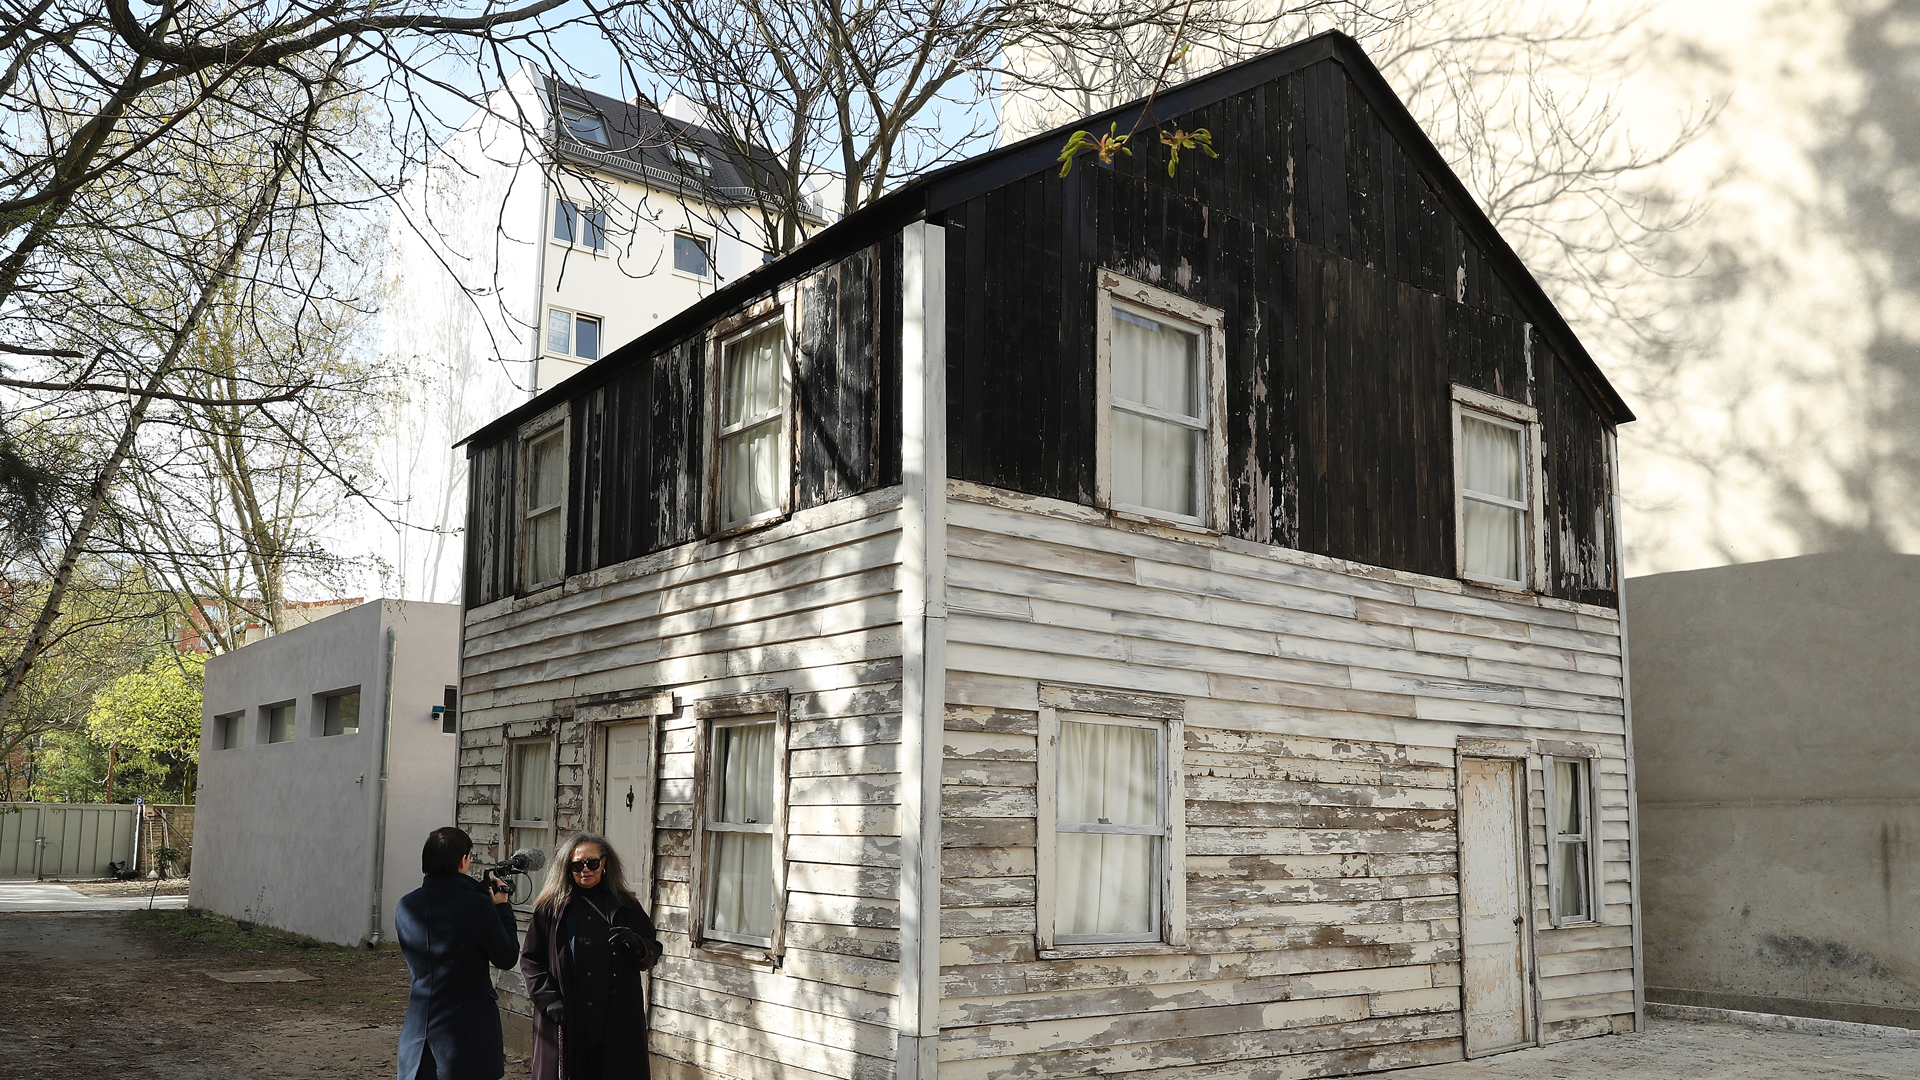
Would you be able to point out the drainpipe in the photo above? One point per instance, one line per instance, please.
(380, 817)
(1634, 862)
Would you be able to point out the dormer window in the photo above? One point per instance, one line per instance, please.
(691, 161)
(585, 125)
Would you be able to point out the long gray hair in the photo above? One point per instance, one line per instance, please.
(559, 882)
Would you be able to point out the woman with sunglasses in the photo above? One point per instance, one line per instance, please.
(587, 944)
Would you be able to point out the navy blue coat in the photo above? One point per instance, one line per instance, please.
(449, 931)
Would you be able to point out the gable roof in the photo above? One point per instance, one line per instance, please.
(944, 188)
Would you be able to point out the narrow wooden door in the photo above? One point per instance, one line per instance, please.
(628, 794)
(1493, 905)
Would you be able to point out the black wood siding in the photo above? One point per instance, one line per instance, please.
(640, 456)
(1351, 298)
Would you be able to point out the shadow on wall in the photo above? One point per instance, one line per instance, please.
(1792, 424)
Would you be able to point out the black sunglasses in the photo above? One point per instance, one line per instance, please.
(578, 865)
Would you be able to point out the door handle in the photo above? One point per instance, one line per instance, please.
(1518, 920)
(629, 796)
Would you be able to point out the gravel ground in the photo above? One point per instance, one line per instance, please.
(163, 887)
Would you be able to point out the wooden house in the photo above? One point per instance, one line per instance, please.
(1114, 623)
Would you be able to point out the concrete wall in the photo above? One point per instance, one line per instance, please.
(1779, 775)
(285, 834)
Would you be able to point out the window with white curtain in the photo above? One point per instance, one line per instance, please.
(545, 461)
(751, 420)
(1570, 844)
(740, 823)
(529, 794)
(1160, 385)
(1494, 479)
(739, 842)
(570, 333)
(1112, 807)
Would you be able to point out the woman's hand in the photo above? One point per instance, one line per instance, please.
(555, 1011)
(627, 938)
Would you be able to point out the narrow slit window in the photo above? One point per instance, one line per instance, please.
(1111, 828)
(545, 516)
(752, 413)
(1570, 851)
(280, 723)
(740, 827)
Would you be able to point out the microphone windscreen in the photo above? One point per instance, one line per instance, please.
(531, 858)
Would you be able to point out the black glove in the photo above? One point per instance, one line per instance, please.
(627, 938)
(556, 1011)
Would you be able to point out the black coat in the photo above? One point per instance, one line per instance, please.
(622, 1049)
(449, 931)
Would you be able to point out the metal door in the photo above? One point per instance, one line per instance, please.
(64, 840)
(1495, 969)
(628, 788)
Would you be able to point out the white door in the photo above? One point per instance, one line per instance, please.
(629, 789)
(1493, 898)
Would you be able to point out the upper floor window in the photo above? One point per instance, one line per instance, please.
(544, 499)
(340, 714)
(573, 334)
(1161, 384)
(1496, 491)
(751, 426)
(586, 125)
(577, 225)
(227, 729)
(692, 254)
(692, 161)
(279, 722)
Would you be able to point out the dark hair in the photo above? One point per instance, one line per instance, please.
(445, 848)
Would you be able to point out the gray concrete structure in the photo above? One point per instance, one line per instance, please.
(1778, 749)
(289, 831)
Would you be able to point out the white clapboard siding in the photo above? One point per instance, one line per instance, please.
(809, 607)
(1323, 704)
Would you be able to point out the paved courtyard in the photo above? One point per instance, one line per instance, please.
(48, 896)
(1686, 1050)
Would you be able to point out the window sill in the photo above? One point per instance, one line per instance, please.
(747, 526)
(1508, 587)
(581, 248)
(1135, 517)
(705, 279)
(1100, 950)
(749, 955)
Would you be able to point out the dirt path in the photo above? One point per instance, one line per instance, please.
(126, 994)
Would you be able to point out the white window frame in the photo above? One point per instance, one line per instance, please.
(573, 334)
(539, 430)
(718, 524)
(510, 824)
(1171, 901)
(706, 245)
(580, 214)
(712, 713)
(1523, 418)
(584, 111)
(1210, 324)
(1556, 840)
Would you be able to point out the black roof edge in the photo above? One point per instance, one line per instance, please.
(936, 191)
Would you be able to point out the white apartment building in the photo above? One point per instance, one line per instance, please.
(551, 227)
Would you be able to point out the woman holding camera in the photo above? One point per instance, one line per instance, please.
(450, 929)
(588, 943)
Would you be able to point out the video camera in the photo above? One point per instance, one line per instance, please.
(524, 862)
